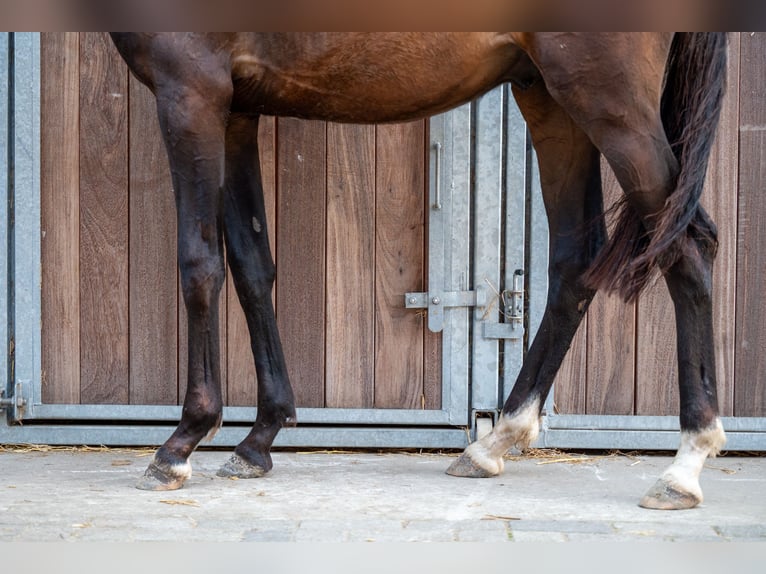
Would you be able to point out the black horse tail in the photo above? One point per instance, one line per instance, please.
(695, 79)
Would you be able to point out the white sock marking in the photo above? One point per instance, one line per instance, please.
(695, 447)
(520, 428)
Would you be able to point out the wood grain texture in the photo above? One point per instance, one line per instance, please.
(611, 357)
(657, 369)
(350, 327)
(153, 263)
(750, 388)
(611, 339)
(60, 216)
(570, 383)
(720, 200)
(399, 265)
(103, 221)
(301, 204)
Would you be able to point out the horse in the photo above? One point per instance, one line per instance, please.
(648, 103)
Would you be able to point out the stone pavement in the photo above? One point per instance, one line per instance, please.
(88, 495)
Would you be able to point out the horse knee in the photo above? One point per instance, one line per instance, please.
(201, 282)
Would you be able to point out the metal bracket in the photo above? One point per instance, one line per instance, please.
(513, 301)
(15, 403)
(437, 301)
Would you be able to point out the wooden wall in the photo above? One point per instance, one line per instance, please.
(623, 358)
(348, 228)
(348, 225)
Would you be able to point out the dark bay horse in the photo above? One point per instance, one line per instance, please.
(649, 103)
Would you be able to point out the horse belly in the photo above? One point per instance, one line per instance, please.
(370, 78)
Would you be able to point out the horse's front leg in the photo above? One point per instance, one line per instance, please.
(252, 267)
(193, 126)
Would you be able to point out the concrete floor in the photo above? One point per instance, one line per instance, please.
(88, 495)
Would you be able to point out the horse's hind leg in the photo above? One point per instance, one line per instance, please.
(249, 256)
(192, 122)
(571, 185)
(689, 282)
(624, 122)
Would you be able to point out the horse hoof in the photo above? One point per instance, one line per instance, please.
(164, 476)
(665, 495)
(237, 467)
(465, 467)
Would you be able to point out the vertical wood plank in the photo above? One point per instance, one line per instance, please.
(103, 221)
(301, 202)
(656, 363)
(570, 382)
(400, 185)
(349, 378)
(242, 379)
(60, 216)
(153, 276)
(720, 200)
(750, 388)
(611, 339)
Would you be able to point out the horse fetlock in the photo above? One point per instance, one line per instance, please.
(165, 476)
(679, 486)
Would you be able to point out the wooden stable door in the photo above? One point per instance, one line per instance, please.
(347, 224)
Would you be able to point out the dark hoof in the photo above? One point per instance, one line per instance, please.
(164, 476)
(465, 467)
(665, 495)
(237, 467)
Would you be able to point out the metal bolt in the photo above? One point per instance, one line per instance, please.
(436, 300)
(412, 300)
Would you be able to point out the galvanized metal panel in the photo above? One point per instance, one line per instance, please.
(172, 413)
(26, 213)
(640, 423)
(515, 232)
(488, 190)
(229, 436)
(449, 249)
(4, 245)
(739, 439)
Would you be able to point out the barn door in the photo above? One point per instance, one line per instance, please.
(108, 365)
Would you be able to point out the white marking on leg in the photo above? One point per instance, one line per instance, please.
(181, 470)
(683, 474)
(256, 225)
(517, 429)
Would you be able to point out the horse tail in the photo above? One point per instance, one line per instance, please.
(695, 77)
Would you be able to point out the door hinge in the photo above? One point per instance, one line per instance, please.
(14, 403)
(437, 301)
